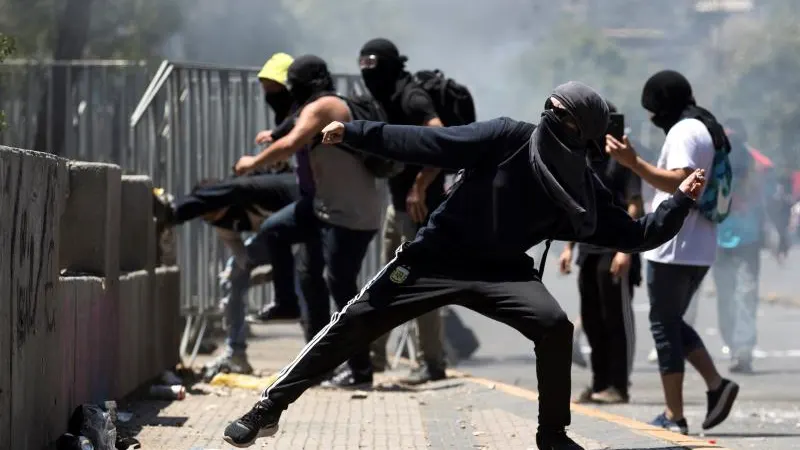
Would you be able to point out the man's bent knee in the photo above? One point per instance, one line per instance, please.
(559, 323)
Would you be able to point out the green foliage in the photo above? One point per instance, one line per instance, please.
(746, 68)
(119, 28)
(756, 80)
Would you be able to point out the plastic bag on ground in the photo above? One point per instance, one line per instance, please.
(95, 424)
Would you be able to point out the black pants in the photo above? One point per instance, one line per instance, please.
(607, 316)
(405, 289)
(269, 191)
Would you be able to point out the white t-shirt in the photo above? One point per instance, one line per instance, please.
(688, 145)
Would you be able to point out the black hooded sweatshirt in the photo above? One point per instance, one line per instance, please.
(502, 207)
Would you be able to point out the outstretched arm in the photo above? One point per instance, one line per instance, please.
(616, 229)
(448, 148)
(309, 123)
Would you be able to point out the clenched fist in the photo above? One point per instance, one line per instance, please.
(333, 133)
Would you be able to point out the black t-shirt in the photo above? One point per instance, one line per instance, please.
(624, 186)
(413, 107)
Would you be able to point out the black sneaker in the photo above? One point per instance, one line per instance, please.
(346, 379)
(678, 426)
(424, 374)
(555, 440)
(257, 423)
(720, 402)
(274, 313)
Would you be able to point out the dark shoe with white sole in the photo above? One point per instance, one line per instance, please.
(720, 402)
(261, 421)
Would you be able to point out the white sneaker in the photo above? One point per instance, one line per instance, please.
(652, 357)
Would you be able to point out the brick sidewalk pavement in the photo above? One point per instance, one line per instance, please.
(458, 413)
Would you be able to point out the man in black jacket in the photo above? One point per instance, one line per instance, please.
(523, 184)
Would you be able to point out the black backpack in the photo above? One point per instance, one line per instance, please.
(453, 101)
(364, 107)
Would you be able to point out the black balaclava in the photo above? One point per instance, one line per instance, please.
(558, 154)
(382, 80)
(280, 102)
(668, 95)
(308, 78)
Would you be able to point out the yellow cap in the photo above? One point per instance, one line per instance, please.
(277, 68)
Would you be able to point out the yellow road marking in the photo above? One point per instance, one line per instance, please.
(634, 425)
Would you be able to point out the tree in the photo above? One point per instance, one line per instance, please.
(77, 29)
(114, 28)
(760, 58)
(584, 54)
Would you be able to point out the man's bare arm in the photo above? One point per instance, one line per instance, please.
(661, 179)
(310, 122)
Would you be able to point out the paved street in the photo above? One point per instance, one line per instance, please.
(495, 407)
(458, 413)
(767, 415)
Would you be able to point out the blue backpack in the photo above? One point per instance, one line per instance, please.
(715, 203)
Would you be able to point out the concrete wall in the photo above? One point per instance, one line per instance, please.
(85, 314)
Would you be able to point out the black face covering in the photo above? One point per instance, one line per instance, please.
(380, 83)
(558, 153)
(382, 79)
(280, 102)
(667, 94)
(308, 79)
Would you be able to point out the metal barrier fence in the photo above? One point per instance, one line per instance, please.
(78, 109)
(193, 123)
(180, 123)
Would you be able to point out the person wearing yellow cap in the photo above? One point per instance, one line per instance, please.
(273, 81)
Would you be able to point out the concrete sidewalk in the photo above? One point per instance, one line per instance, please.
(459, 413)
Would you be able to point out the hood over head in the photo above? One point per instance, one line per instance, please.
(308, 77)
(558, 154)
(667, 94)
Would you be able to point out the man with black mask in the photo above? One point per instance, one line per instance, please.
(414, 192)
(337, 215)
(676, 268)
(523, 184)
(273, 81)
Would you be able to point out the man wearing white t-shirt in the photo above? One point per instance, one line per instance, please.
(676, 268)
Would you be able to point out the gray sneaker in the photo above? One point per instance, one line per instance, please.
(228, 363)
(744, 366)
